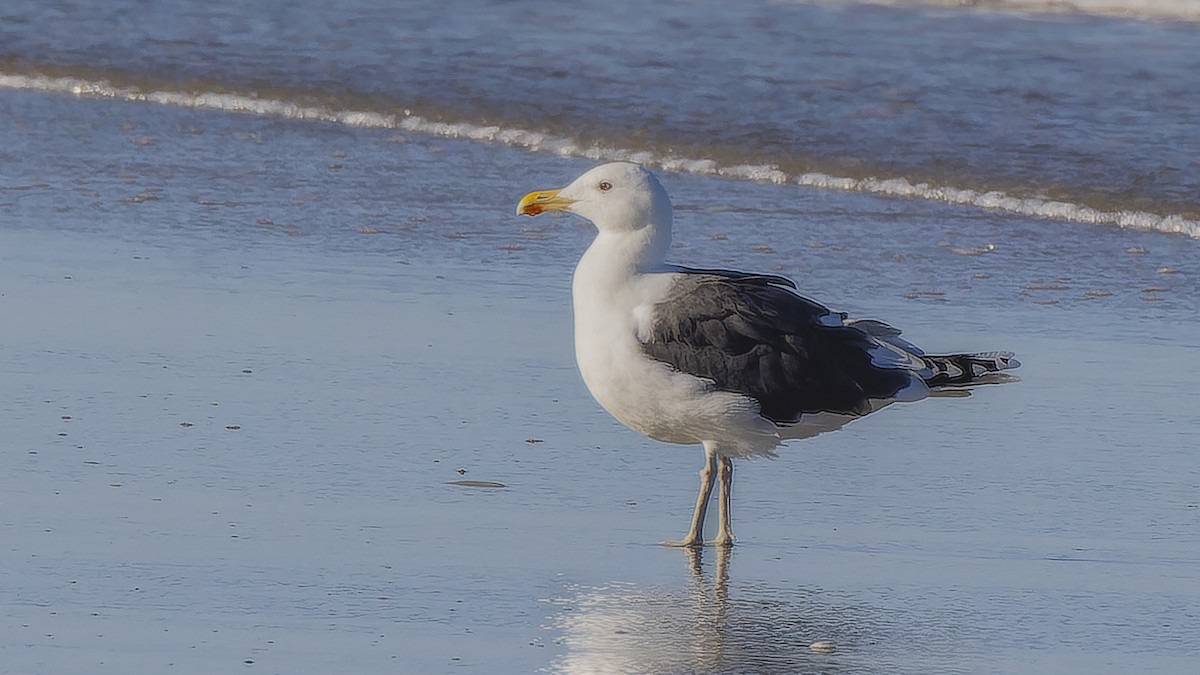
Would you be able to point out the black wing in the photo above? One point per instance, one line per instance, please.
(750, 335)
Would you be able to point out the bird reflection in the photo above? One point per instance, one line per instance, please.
(705, 627)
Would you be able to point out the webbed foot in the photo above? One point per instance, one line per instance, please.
(686, 542)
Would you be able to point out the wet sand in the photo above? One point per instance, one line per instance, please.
(212, 470)
(233, 416)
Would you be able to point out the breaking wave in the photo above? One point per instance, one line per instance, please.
(1162, 10)
(535, 141)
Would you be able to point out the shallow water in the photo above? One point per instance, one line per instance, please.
(1066, 116)
(403, 331)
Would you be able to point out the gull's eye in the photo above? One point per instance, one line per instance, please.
(605, 186)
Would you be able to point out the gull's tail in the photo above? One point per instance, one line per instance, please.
(964, 370)
(940, 372)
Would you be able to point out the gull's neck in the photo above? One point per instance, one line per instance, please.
(628, 253)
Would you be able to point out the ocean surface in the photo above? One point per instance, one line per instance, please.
(1071, 116)
(263, 298)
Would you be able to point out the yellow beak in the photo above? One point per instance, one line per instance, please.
(543, 200)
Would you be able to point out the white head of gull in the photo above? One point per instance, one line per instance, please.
(737, 362)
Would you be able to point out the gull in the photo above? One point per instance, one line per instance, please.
(737, 362)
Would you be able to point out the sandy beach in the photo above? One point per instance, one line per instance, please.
(247, 463)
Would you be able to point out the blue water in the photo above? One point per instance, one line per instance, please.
(1080, 117)
(191, 191)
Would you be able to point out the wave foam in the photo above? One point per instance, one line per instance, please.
(1161, 10)
(541, 142)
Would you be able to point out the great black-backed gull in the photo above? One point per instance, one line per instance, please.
(737, 362)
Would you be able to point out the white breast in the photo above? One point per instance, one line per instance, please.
(631, 387)
(644, 394)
